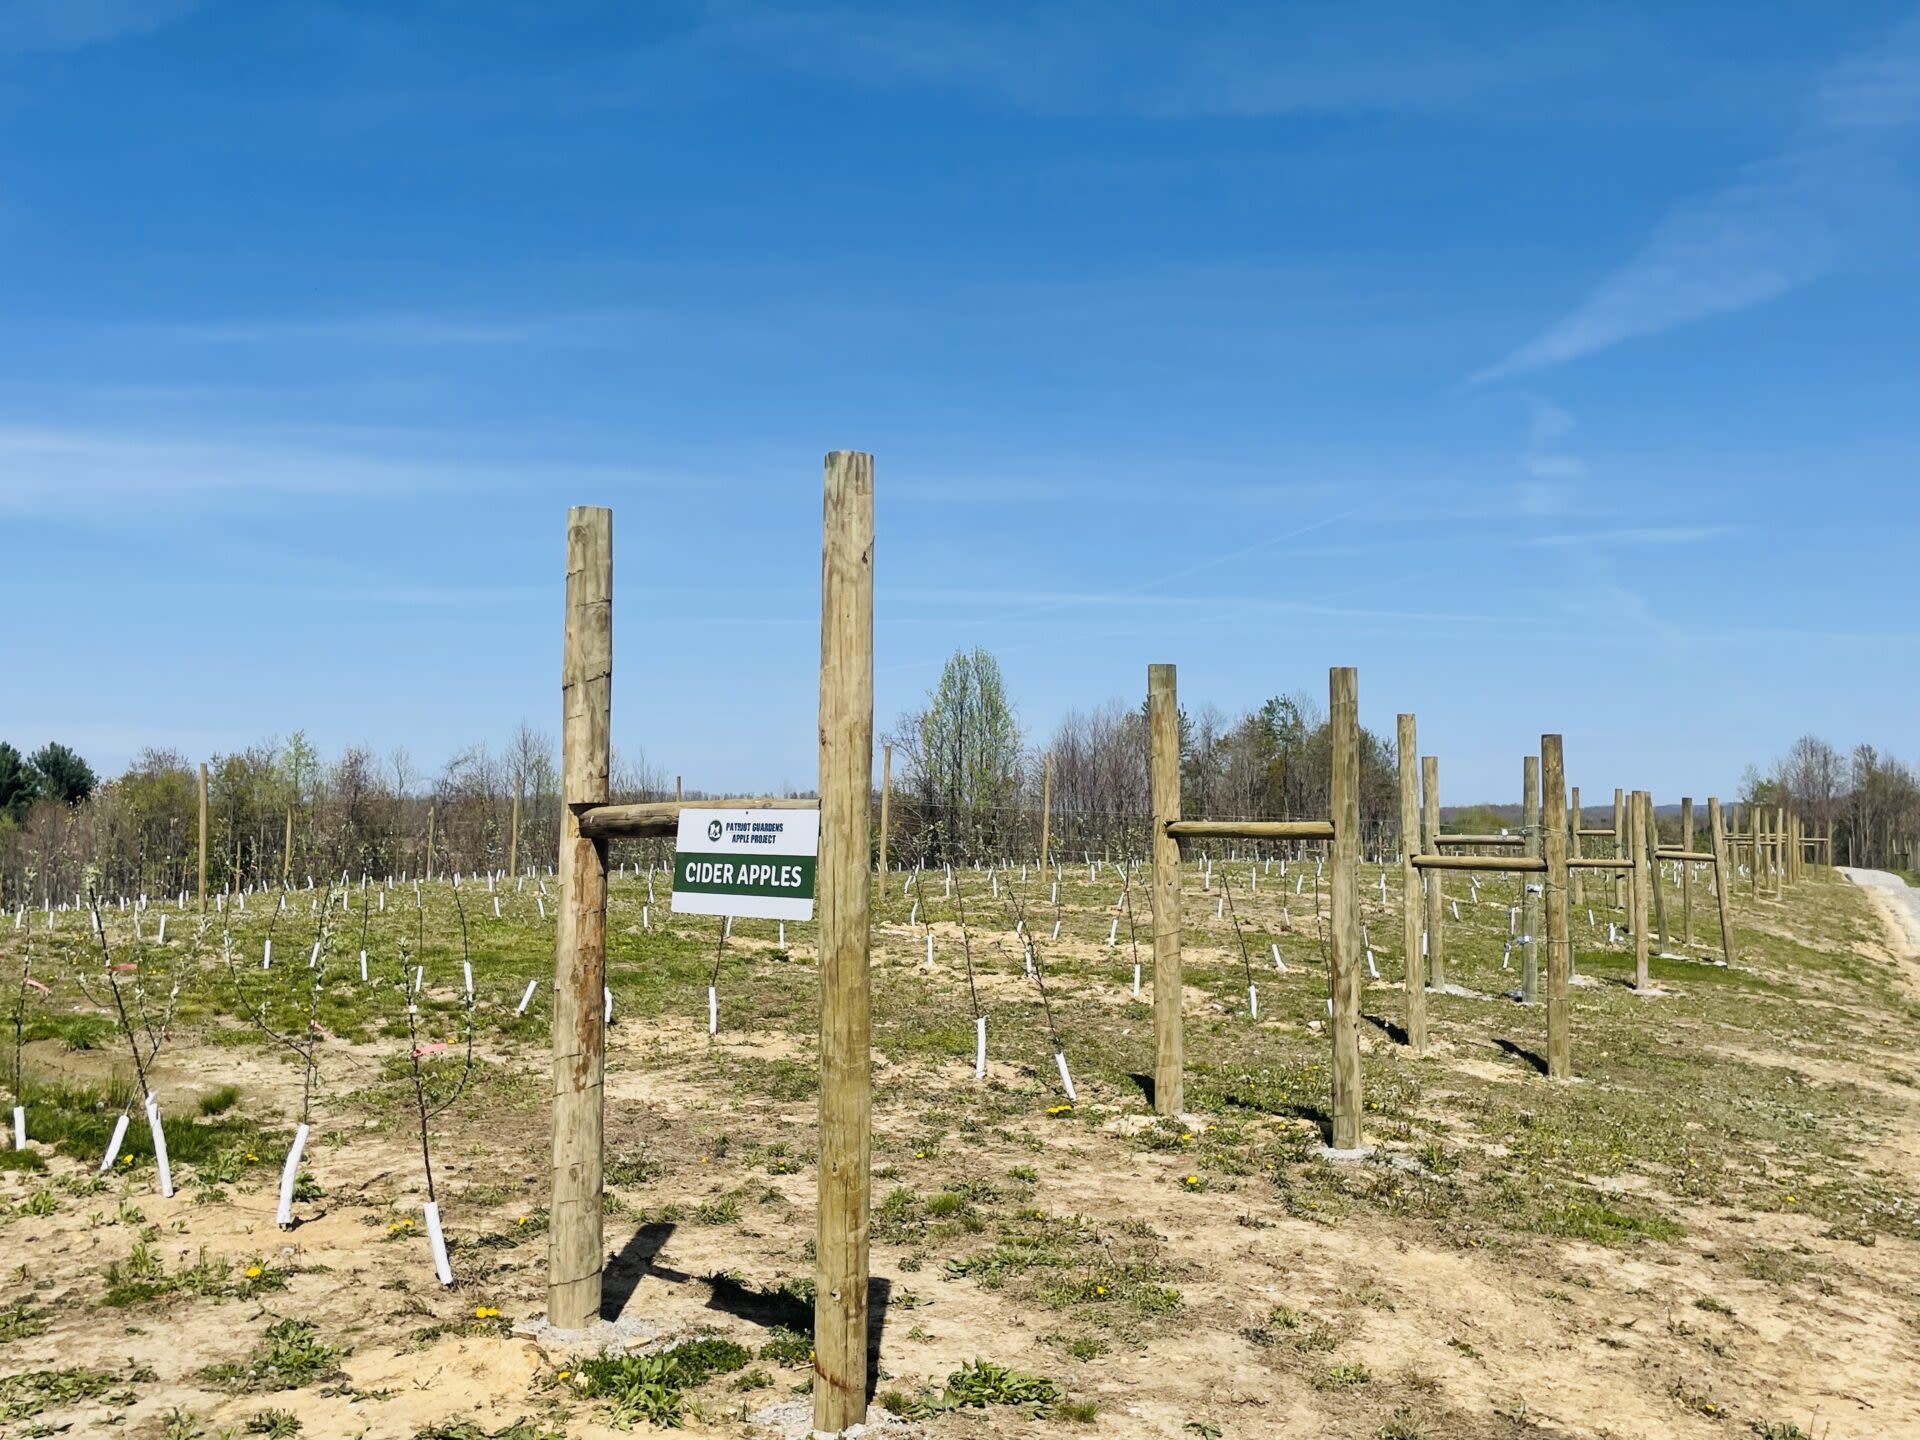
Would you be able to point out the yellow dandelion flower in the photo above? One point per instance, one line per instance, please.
(1192, 1180)
(566, 1374)
(254, 1272)
(521, 1221)
(253, 1158)
(126, 1159)
(1099, 1289)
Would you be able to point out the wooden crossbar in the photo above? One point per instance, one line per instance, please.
(1504, 863)
(1597, 862)
(1703, 856)
(662, 817)
(1250, 829)
(1514, 841)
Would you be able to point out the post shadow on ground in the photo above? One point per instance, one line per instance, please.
(1395, 1033)
(1145, 1082)
(625, 1271)
(782, 1308)
(1518, 1052)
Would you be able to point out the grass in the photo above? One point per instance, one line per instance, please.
(1710, 1102)
(291, 1356)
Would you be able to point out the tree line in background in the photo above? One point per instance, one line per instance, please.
(968, 787)
(1871, 800)
(276, 811)
(970, 784)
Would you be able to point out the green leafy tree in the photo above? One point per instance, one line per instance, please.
(963, 754)
(62, 774)
(19, 785)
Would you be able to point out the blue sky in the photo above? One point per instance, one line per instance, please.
(1553, 365)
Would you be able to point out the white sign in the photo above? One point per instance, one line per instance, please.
(758, 863)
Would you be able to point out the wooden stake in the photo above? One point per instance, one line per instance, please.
(286, 853)
(1650, 842)
(886, 810)
(1169, 1046)
(1686, 871)
(1718, 825)
(1347, 952)
(1430, 831)
(575, 1249)
(203, 838)
(1046, 809)
(1576, 880)
(513, 834)
(1529, 900)
(426, 872)
(1416, 970)
(1559, 926)
(1619, 847)
(1637, 916)
(844, 882)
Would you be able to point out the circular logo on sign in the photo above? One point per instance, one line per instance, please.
(713, 829)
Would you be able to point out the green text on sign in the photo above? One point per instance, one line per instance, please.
(788, 877)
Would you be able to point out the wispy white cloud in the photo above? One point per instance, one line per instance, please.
(1782, 224)
(1634, 535)
(45, 470)
(41, 25)
(1153, 59)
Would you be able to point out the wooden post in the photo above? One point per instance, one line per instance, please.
(677, 793)
(1346, 952)
(1430, 842)
(203, 837)
(1529, 897)
(286, 854)
(886, 810)
(1559, 927)
(1637, 916)
(1169, 1043)
(574, 1245)
(1686, 871)
(1416, 970)
(1619, 847)
(1718, 825)
(513, 835)
(844, 883)
(1777, 843)
(1576, 879)
(1046, 810)
(1650, 837)
(426, 869)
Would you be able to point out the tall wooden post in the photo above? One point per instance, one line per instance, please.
(426, 869)
(1777, 835)
(1046, 810)
(886, 810)
(1169, 1042)
(1686, 871)
(1576, 879)
(286, 854)
(1553, 775)
(575, 1249)
(1650, 841)
(1430, 842)
(844, 882)
(1530, 889)
(1347, 952)
(1619, 847)
(1416, 970)
(1718, 825)
(1637, 916)
(513, 834)
(203, 836)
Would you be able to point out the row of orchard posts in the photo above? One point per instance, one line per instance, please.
(1546, 854)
